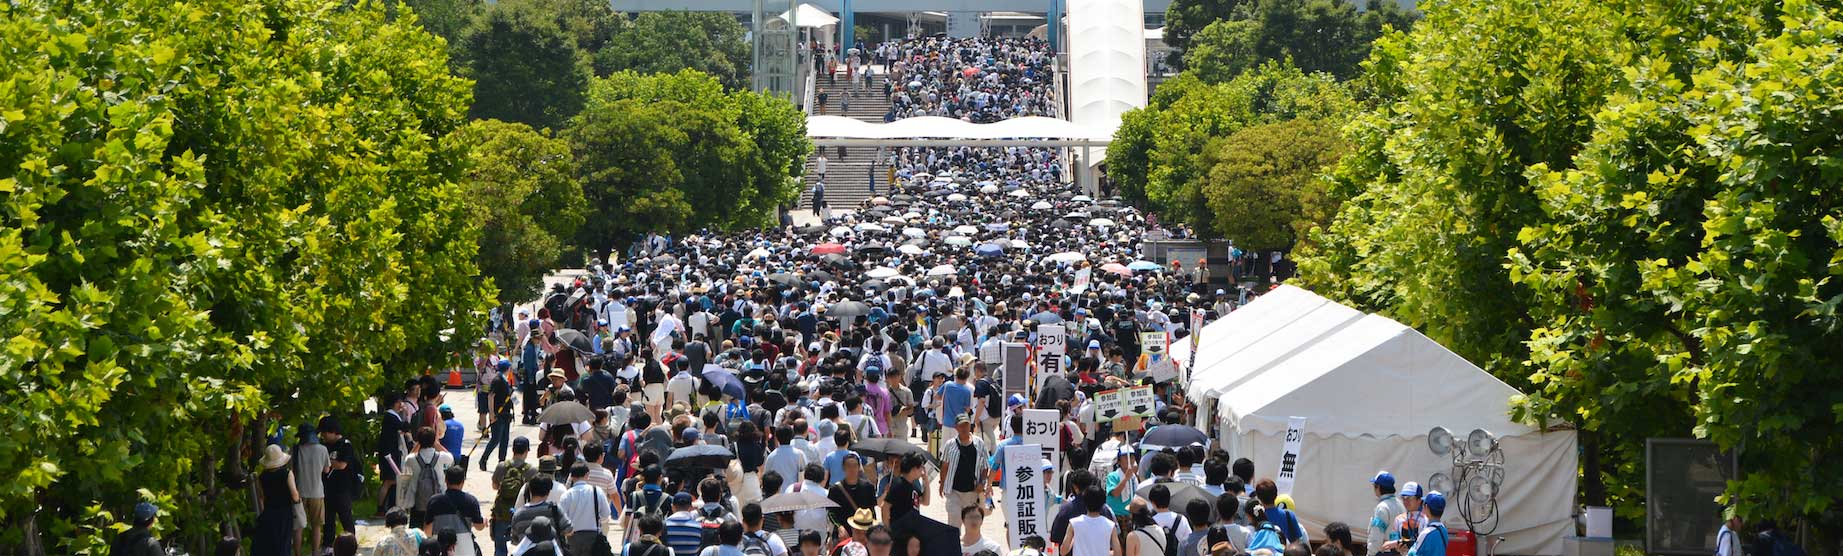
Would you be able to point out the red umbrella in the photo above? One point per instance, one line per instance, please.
(970, 71)
(829, 249)
(1117, 268)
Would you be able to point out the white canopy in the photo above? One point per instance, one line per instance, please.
(810, 16)
(935, 127)
(1369, 389)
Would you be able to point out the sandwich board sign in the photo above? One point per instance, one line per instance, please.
(1052, 342)
(1026, 503)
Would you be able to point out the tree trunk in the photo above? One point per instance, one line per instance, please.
(1593, 485)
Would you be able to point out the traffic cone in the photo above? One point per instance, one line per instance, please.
(454, 378)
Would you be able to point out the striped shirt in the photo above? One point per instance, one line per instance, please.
(684, 533)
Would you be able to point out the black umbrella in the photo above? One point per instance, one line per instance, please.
(883, 448)
(796, 501)
(810, 229)
(785, 279)
(1060, 224)
(702, 455)
(726, 382)
(871, 250)
(875, 285)
(937, 539)
(576, 340)
(1181, 493)
(903, 197)
(840, 262)
(1173, 436)
(566, 412)
(848, 309)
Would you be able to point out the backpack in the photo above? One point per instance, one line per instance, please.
(509, 485)
(1168, 546)
(874, 363)
(754, 545)
(652, 373)
(428, 482)
(650, 500)
(994, 398)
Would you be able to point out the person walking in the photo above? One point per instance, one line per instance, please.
(499, 419)
(454, 512)
(1728, 538)
(139, 539)
(341, 482)
(965, 479)
(1388, 507)
(585, 506)
(819, 198)
(311, 464)
(508, 479)
(276, 497)
(1092, 534)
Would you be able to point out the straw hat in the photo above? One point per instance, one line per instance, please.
(274, 457)
(864, 519)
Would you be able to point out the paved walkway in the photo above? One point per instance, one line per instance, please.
(479, 483)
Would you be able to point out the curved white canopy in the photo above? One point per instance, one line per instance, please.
(808, 15)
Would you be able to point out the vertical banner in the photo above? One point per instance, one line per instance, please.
(1041, 427)
(1289, 458)
(1052, 342)
(1017, 368)
(1026, 503)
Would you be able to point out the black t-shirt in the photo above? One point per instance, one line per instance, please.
(456, 502)
(501, 396)
(599, 387)
(902, 497)
(851, 497)
(964, 472)
(342, 482)
(390, 436)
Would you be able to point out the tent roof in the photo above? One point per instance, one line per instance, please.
(934, 127)
(809, 16)
(1297, 353)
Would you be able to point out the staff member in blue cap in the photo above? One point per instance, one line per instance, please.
(1388, 507)
(1407, 527)
(139, 540)
(1432, 541)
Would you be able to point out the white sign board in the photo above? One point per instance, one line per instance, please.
(1139, 400)
(1289, 458)
(1052, 338)
(1083, 279)
(1109, 405)
(1161, 369)
(1042, 427)
(1152, 344)
(1026, 503)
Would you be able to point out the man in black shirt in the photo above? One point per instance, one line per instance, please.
(457, 511)
(342, 483)
(499, 396)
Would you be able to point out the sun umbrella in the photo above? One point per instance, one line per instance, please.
(1110, 203)
(989, 250)
(1077, 215)
(989, 189)
(955, 197)
(894, 220)
(1172, 436)
(576, 340)
(998, 227)
(848, 309)
(1060, 224)
(908, 249)
(943, 270)
(725, 381)
(664, 259)
(958, 241)
(881, 272)
(785, 279)
(879, 200)
(903, 197)
(841, 231)
(810, 229)
(566, 412)
(1116, 268)
(874, 285)
(1101, 223)
(935, 538)
(820, 276)
(883, 448)
(1143, 265)
(797, 501)
(1082, 199)
(1021, 193)
(1041, 205)
(870, 227)
(871, 250)
(914, 232)
(1046, 317)
(705, 456)
(1068, 257)
(915, 241)
(758, 253)
(829, 249)
(1020, 244)
(966, 229)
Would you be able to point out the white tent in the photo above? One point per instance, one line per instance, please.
(810, 16)
(1369, 389)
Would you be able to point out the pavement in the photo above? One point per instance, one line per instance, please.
(479, 483)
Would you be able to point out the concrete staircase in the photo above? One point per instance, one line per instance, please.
(848, 176)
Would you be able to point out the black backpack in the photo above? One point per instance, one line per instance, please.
(994, 398)
(1168, 545)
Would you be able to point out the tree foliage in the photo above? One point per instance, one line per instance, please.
(1627, 209)
(522, 184)
(1185, 19)
(666, 42)
(1155, 154)
(526, 68)
(209, 210)
(1330, 36)
(1263, 183)
(678, 152)
(448, 19)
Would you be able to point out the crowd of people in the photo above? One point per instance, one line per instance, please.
(978, 79)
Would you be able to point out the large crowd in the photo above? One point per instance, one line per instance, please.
(978, 79)
(809, 389)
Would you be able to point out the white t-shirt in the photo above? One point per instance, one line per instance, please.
(1093, 535)
(984, 544)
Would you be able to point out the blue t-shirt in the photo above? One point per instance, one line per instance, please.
(955, 399)
(835, 464)
(451, 441)
(1432, 542)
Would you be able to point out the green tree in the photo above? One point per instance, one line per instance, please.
(1184, 19)
(212, 210)
(1330, 36)
(592, 23)
(523, 186)
(666, 42)
(448, 19)
(1154, 156)
(525, 68)
(678, 152)
(1224, 50)
(1263, 182)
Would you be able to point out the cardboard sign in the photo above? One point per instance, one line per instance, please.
(1026, 503)
(1139, 401)
(1017, 368)
(1109, 405)
(1083, 279)
(1289, 458)
(1152, 344)
(1161, 369)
